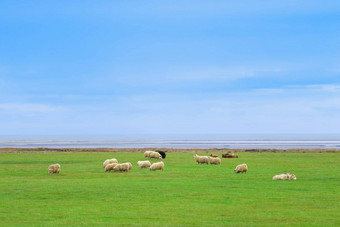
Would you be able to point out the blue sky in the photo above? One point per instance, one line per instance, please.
(170, 67)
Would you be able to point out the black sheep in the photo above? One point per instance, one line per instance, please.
(162, 153)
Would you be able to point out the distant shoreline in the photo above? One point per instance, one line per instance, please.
(169, 150)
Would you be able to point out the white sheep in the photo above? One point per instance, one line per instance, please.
(242, 168)
(215, 160)
(109, 161)
(154, 154)
(147, 154)
(124, 167)
(201, 159)
(130, 165)
(284, 176)
(144, 164)
(110, 166)
(157, 166)
(55, 168)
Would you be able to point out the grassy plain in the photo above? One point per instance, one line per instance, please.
(185, 194)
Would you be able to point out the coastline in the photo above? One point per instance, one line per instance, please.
(168, 150)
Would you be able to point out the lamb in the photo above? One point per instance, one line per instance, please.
(124, 167)
(157, 166)
(201, 159)
(284, 176)
(55, 168)
(215, 161)
(214, 155)
(110, 166)
(109, 161)
(243, 168)
(147, 154)
(144, 164)
(155, 154)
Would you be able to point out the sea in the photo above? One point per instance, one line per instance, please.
(185, 141)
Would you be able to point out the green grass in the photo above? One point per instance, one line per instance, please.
(184, 194)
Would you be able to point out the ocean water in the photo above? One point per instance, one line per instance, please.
(270, 141)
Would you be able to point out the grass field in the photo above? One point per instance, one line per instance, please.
(184, 194)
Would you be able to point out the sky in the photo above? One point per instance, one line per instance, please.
(169, 67)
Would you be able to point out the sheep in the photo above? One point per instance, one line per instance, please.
(215, 161)
(55, 168)
(214, 155)
(243, 168)
(201, 159)
(124, 167)
(147, 154)
(130, 165)
(110, 166)
(162, 153)
(109, 161)
(157, 166)
(284, 176)
(155, 154)
(144, 164)
(229, 155)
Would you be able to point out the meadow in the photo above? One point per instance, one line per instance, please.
(185, 194)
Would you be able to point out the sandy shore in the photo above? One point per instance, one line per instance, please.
(170, 150)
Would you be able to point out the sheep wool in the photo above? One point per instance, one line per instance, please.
(109, 161)
(147, 154)
(243, 168)
(55, 168)
(129, 164)
(156, 155)
(284, 176)
(144, 164)
(157, 166)
(201, 159)
(110, 167)
(215, 160)
(124, 167)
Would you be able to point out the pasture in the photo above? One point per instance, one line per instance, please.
(185, 194)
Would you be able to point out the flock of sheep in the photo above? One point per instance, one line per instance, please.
(242, 168)
(113, 165)
(215, 160)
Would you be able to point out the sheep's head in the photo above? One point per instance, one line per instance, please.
(292, 177)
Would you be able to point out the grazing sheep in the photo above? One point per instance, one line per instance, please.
(144, 164)
(162, 153)
(55, 168)
(214, 155)
(155, 154)
(110, 166)
(215, 161)
(130, 165)
(157, 166)
(201, 159)
(124, 167)
(243, 168)
(109, 161)
(147, 154)
(284, 176)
